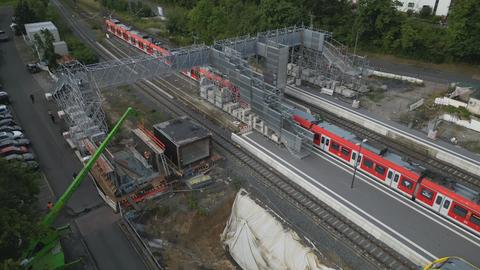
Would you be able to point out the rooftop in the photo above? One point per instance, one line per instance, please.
(34, 27)
(182, 130)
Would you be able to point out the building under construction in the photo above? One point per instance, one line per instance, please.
(186, 142)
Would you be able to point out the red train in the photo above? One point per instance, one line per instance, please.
(456, 202)
(461, 205)
(149, 46)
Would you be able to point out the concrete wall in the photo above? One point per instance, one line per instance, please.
(403, 138)
(472, 124)
(450, 102)
(60, 48)
(474, 106)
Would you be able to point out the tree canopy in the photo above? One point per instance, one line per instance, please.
(380, 26)
(18, 210)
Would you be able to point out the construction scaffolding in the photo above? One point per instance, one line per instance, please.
(260, 93)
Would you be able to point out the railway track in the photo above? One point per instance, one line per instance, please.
(439, 168)
(362, 243)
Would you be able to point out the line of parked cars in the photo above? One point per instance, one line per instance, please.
(13, 144)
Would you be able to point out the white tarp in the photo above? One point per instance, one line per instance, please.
(257, 241)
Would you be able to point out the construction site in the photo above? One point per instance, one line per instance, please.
(211, 172)
(153, 176)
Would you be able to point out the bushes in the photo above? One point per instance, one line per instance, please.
(136, 7)
(381, 26)
(80, 51)
(28, 11)
(18, 211)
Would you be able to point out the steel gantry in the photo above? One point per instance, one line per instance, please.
(77, 91)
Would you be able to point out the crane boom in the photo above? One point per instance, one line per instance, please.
(60, 204)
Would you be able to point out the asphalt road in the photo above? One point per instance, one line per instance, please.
(426, 233)
(427, 74)
(99, 230)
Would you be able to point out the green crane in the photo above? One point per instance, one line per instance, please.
(46, 252)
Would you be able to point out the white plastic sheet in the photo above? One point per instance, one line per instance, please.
(257, 241)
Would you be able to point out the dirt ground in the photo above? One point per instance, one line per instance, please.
(396, 99)
(184, 230)
(393, 103)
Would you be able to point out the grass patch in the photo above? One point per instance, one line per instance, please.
(5, 3)
(376, 95)
(473, 146)
(461, 112)
(122, 97)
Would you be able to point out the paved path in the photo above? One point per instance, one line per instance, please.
(58, 163)
(428, 74)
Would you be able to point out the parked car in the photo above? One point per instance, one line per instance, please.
(7, 122)
(7, 142)
(4, 109)
(11, 135)
(33, 68)
(10, 128)
(31, 164)
(5, 116)
(4, 98)
(23, 142)
(11, 142)
(3, 36)
(13, 150)
(14, 157)
(28, 157)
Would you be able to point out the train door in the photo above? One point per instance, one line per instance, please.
(438, 202)
(324, 143)
(392, 178)
(445, 206)
(356, 156)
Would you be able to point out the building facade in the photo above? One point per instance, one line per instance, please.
(439, 7)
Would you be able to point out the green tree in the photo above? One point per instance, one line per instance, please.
(464, 30)
(18, 211)
(377, 22)
(208, 20)
(279, 13)
(177, 23)
(81, 52)
(45, 47)
(23, 14)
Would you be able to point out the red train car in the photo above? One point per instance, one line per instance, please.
(145, 44)
(459, 204)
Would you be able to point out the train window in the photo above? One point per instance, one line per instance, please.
(390, 174)
(327, 142)
(439, 200)
(354, 156)
(407, 183)
(475, 220)
(446, 204)
(345, 151)
(427, 193)
(395, 179)
(335, 146)
(323, 140)
(380, 169)
(368, 163)
(460, 211)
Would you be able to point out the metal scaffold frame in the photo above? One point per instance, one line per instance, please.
(78, 88)
(80, 103)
